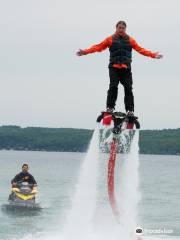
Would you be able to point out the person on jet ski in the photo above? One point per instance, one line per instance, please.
(24, 176)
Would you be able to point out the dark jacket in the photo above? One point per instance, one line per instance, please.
(24, 177)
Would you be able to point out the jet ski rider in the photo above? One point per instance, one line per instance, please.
(24, 176)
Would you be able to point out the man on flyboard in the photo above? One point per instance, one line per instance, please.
(120, 46)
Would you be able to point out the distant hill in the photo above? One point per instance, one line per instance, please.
(165, 141)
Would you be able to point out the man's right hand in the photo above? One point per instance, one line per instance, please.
(158, 55)
(80, 53)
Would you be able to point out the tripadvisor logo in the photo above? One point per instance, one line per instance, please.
(140, 231)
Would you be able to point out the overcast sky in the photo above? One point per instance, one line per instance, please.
(43, 82)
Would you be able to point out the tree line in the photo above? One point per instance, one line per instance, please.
(165, 141)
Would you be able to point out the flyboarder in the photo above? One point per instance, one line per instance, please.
(120, 45)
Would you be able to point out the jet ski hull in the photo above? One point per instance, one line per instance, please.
(16, 204)
(21, 207)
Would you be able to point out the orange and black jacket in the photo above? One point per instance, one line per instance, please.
(120, 48)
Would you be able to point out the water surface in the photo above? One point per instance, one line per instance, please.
(57, 174)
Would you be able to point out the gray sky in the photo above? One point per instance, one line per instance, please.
(43, 83)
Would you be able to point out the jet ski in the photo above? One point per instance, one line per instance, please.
(22, 198)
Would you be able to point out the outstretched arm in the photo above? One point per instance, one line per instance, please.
(144, 51)
(96, 48)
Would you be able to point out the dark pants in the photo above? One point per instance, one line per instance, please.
(124, 76)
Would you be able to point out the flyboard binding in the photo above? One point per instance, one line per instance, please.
(120, 121)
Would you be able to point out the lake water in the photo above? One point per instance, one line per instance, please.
(57, 174)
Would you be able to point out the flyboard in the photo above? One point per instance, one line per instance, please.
(117, 122)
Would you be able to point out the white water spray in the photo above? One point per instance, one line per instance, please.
(80, 219)
(129, 191)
